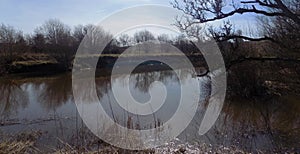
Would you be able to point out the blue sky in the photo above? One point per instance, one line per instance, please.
(27, 15)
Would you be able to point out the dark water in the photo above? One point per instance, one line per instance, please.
(46, 104)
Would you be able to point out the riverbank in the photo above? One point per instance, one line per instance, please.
(27, 142)
(43, 64)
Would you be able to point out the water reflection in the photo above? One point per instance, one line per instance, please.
(143, 81)
(250, 124)
(12, 97)
(139, 86)
(256, 124)
(56, 92)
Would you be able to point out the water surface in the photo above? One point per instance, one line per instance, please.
(46, 104)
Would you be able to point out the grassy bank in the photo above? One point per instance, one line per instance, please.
(44, 63)
(27, 142)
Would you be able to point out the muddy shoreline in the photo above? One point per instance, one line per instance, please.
(28, 142)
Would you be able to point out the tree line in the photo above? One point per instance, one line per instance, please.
(278, 27)
(60, 41)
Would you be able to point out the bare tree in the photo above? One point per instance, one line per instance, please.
(184, 44)
(8, 39)
(164, 38)
(125, 40)
(204, 11)
(283, 30)
(59, 41)
(96, 39)
(279, 21)
(143, 36)
(38, 42)
(79, 32)
(55, 31)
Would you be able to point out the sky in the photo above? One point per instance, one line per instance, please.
(29, 14)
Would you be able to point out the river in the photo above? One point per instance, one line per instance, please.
(46, 104)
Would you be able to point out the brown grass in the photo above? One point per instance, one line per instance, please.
(17, 147)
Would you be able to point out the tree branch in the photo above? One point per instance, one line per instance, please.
(271, 5)
(243, 59)
(288, 12)
(226, 38)
(242, 11)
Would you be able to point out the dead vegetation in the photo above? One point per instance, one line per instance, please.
(21, 143)
(27, 142)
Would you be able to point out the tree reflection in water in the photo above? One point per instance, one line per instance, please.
(250, 124)
(258, 124)
(56, 91)
(12, 97)
(139, 84)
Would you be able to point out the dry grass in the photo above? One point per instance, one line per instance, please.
(21, 143)
(34, 62)
(26, 143)
(34, 59)
(17, 147)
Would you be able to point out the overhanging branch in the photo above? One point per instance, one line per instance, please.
(242, 11)
(247, 38)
